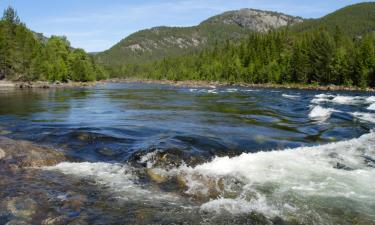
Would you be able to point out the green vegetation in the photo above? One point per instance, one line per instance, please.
(314, 57)
(27, 56)
(159, 42)
(337, 49)
(354, 20)
(156, 43)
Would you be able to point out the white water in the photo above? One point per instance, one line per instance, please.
(292, 178)
(368, 117)
(343, 100)
(120, 179)
(298, 184)
(319, 113)
(288, 183)
(291, 96)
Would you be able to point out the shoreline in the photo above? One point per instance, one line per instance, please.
(45, 84)
(184, 83)
(215, 84)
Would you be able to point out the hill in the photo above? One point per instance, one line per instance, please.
(336, 49)
(354, 20)
(159, 42)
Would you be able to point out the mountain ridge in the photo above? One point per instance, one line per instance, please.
(354, 20)
(157, 42)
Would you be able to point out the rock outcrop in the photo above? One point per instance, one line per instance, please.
(256, 20)
(159, 42)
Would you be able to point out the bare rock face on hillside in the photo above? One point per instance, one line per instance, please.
(160, 42)
(256, 20)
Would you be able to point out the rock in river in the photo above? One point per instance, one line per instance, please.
(2, 154)
(21, 154)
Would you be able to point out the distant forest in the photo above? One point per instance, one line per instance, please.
(318, 56)
(314, 52)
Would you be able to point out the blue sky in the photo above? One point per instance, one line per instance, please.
(96, 25)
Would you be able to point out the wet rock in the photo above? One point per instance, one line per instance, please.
(107, 152)
(370, 162)
(2, 154)
(166, 159)
(258, 219)
(334, 155)
(22, 208)
(84, 137)
(144, 214)
(21, 154)
(17, 222)
(4, 132)
(60, 220)
(154, 176)
(73, 204)
(341, 166)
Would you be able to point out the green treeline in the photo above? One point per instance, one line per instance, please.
(25, 56)
(317, 56)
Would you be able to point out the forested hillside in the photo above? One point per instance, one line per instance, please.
(28, 56)
(159, 42)
(315, 57)
(328, 53)
(354, 20)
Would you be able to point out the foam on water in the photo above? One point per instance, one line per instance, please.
(120, 179)
(204, 91)
(289, 181)
(290, 96)
(239, 206)
(368, 117)
(277, 183)
(322, 98)
(320, 114)
(231, 90)
(371, 107)
(371, 99)
(343, 100)
(348, 100)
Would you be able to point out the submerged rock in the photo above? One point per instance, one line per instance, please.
(107, 152)
(17, 222)
(22, 154)
(22, 207)
(2, 154)
(156, 177)
(60, 220)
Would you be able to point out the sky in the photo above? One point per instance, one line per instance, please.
(96, 25)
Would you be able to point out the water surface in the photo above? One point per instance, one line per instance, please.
(163, 154)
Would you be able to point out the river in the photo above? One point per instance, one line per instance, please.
(158, 154)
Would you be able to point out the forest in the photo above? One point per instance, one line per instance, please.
(318, 56)
(306, 54)
(27, 56)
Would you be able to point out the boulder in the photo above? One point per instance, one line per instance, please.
(22, 154)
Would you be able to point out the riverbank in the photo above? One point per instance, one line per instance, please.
(45, 85)
(215, 84)
(184, 83)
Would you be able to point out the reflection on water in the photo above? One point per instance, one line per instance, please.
(142, 148)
